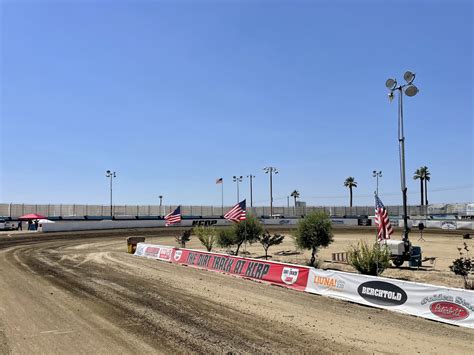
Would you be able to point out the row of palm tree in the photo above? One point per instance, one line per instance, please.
(421, 174)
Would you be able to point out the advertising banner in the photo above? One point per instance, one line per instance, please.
(454, 306)
(288, 275)
(154, 251)
(442, 304)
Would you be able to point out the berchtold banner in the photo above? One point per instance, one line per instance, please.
(443, 304)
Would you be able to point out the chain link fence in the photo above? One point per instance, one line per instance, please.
(76, 210)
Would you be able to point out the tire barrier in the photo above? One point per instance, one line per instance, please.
(438, 303)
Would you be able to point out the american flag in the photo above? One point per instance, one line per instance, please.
(173, 217)
(219, 181)
(237, 213)
(384, 227)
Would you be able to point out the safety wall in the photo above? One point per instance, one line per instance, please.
(64, 226)
(440, 224)
(442, 304)
(291, 276)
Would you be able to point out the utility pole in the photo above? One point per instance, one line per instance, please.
(271, 170)
(111, 175)
(251, 177)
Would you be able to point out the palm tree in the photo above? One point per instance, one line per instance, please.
(350, 183)
(427, 175)
(419, 176)
(295, 194)
(423, 175)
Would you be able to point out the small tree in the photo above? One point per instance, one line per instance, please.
(226, 237)
(184, 237)
(463, 266)
(247, 230)
(267, 240)
(314, 231)
(369, 260)
(206, 235)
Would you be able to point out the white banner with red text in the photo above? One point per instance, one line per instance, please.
(442, 304)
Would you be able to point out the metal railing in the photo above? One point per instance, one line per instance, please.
(69, 210)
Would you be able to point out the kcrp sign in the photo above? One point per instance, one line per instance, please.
(292, 276)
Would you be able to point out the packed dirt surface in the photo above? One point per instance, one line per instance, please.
(83, 294)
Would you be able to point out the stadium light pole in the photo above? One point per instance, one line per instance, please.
(251, 177)
(377, 174)
(161, 203)
(238, 180)
(271, 170)
(111, 175)
(410, 90)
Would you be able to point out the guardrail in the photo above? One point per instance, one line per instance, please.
(67, 210)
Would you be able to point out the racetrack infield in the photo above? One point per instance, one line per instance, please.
(84, 294)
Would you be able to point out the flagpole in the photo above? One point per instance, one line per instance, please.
(222, 198)
(376, 230)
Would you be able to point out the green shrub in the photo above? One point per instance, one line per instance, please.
(314, 231)
(184, 237)
(226, 237)
(267, 240)
(247, 231)
(463, 266)
(369, 260)
(206, 235)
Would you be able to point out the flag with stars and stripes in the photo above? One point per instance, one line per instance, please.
(384, 227)
(237, 213)
(173, 217)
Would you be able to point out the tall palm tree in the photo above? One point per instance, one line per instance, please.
(295, 194)
(350, 183)
(419, 176)
(426, 176)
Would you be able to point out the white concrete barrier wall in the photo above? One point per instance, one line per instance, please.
(443, 224)
(64, 226)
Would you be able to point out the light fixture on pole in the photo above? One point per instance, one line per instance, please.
(377, 174)
(238, 180)
(251, 177)
(271, 170)
(410, 90)
(161, 203)
(111, 175)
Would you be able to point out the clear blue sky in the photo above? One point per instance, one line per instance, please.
(172, 95)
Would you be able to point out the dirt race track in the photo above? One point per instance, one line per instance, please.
(86, 295)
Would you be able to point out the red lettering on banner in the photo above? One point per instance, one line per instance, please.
(165, 253)
(152, 251)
